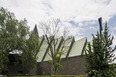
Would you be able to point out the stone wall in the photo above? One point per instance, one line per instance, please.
(71, 66)
(19, 70)
(16, 70)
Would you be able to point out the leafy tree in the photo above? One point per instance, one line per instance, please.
(99, 55)
(16, 39)
(56, 62)
(52, 33)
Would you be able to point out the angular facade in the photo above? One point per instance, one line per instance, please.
(73, 61)
(72, 48)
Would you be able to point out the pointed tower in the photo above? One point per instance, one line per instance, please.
(35, 30)
(100, 26)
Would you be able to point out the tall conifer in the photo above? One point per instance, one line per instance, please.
(99, 55)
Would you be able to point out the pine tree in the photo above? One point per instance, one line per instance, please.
(99, 55)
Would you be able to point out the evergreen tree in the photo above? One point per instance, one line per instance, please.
(99, 55)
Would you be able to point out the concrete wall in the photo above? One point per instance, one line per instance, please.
(71, 66)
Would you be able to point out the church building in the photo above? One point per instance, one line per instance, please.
(73, 61)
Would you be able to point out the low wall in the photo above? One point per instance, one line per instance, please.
(71, 66)
(19, 70)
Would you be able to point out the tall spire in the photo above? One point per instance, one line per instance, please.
(100, 26)
(35, 30)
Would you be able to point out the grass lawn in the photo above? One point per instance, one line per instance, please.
(49, 76)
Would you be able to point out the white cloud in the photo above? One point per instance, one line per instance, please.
(78, 11)
(114, 44)
(114, 57)
(81, 12)
(114, 41)
(114, 29)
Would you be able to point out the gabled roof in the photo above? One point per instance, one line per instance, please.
(67, 45)
(58, 46)
(42, 50)
(86, 47)
(78, 47)
(71, 48)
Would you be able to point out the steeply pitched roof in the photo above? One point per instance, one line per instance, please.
(67, 45)
(72, 48)
(78, 47)
(58, 46)
(86, 47)
(35, 31)
(42, 50)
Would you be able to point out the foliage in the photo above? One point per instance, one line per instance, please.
(28, 56)
(51, 32)
(99, 55)
(52, 76)
(56, 62)
(16, 38)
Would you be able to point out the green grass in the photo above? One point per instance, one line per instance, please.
(49, 76)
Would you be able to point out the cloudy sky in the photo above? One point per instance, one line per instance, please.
(79, 16)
